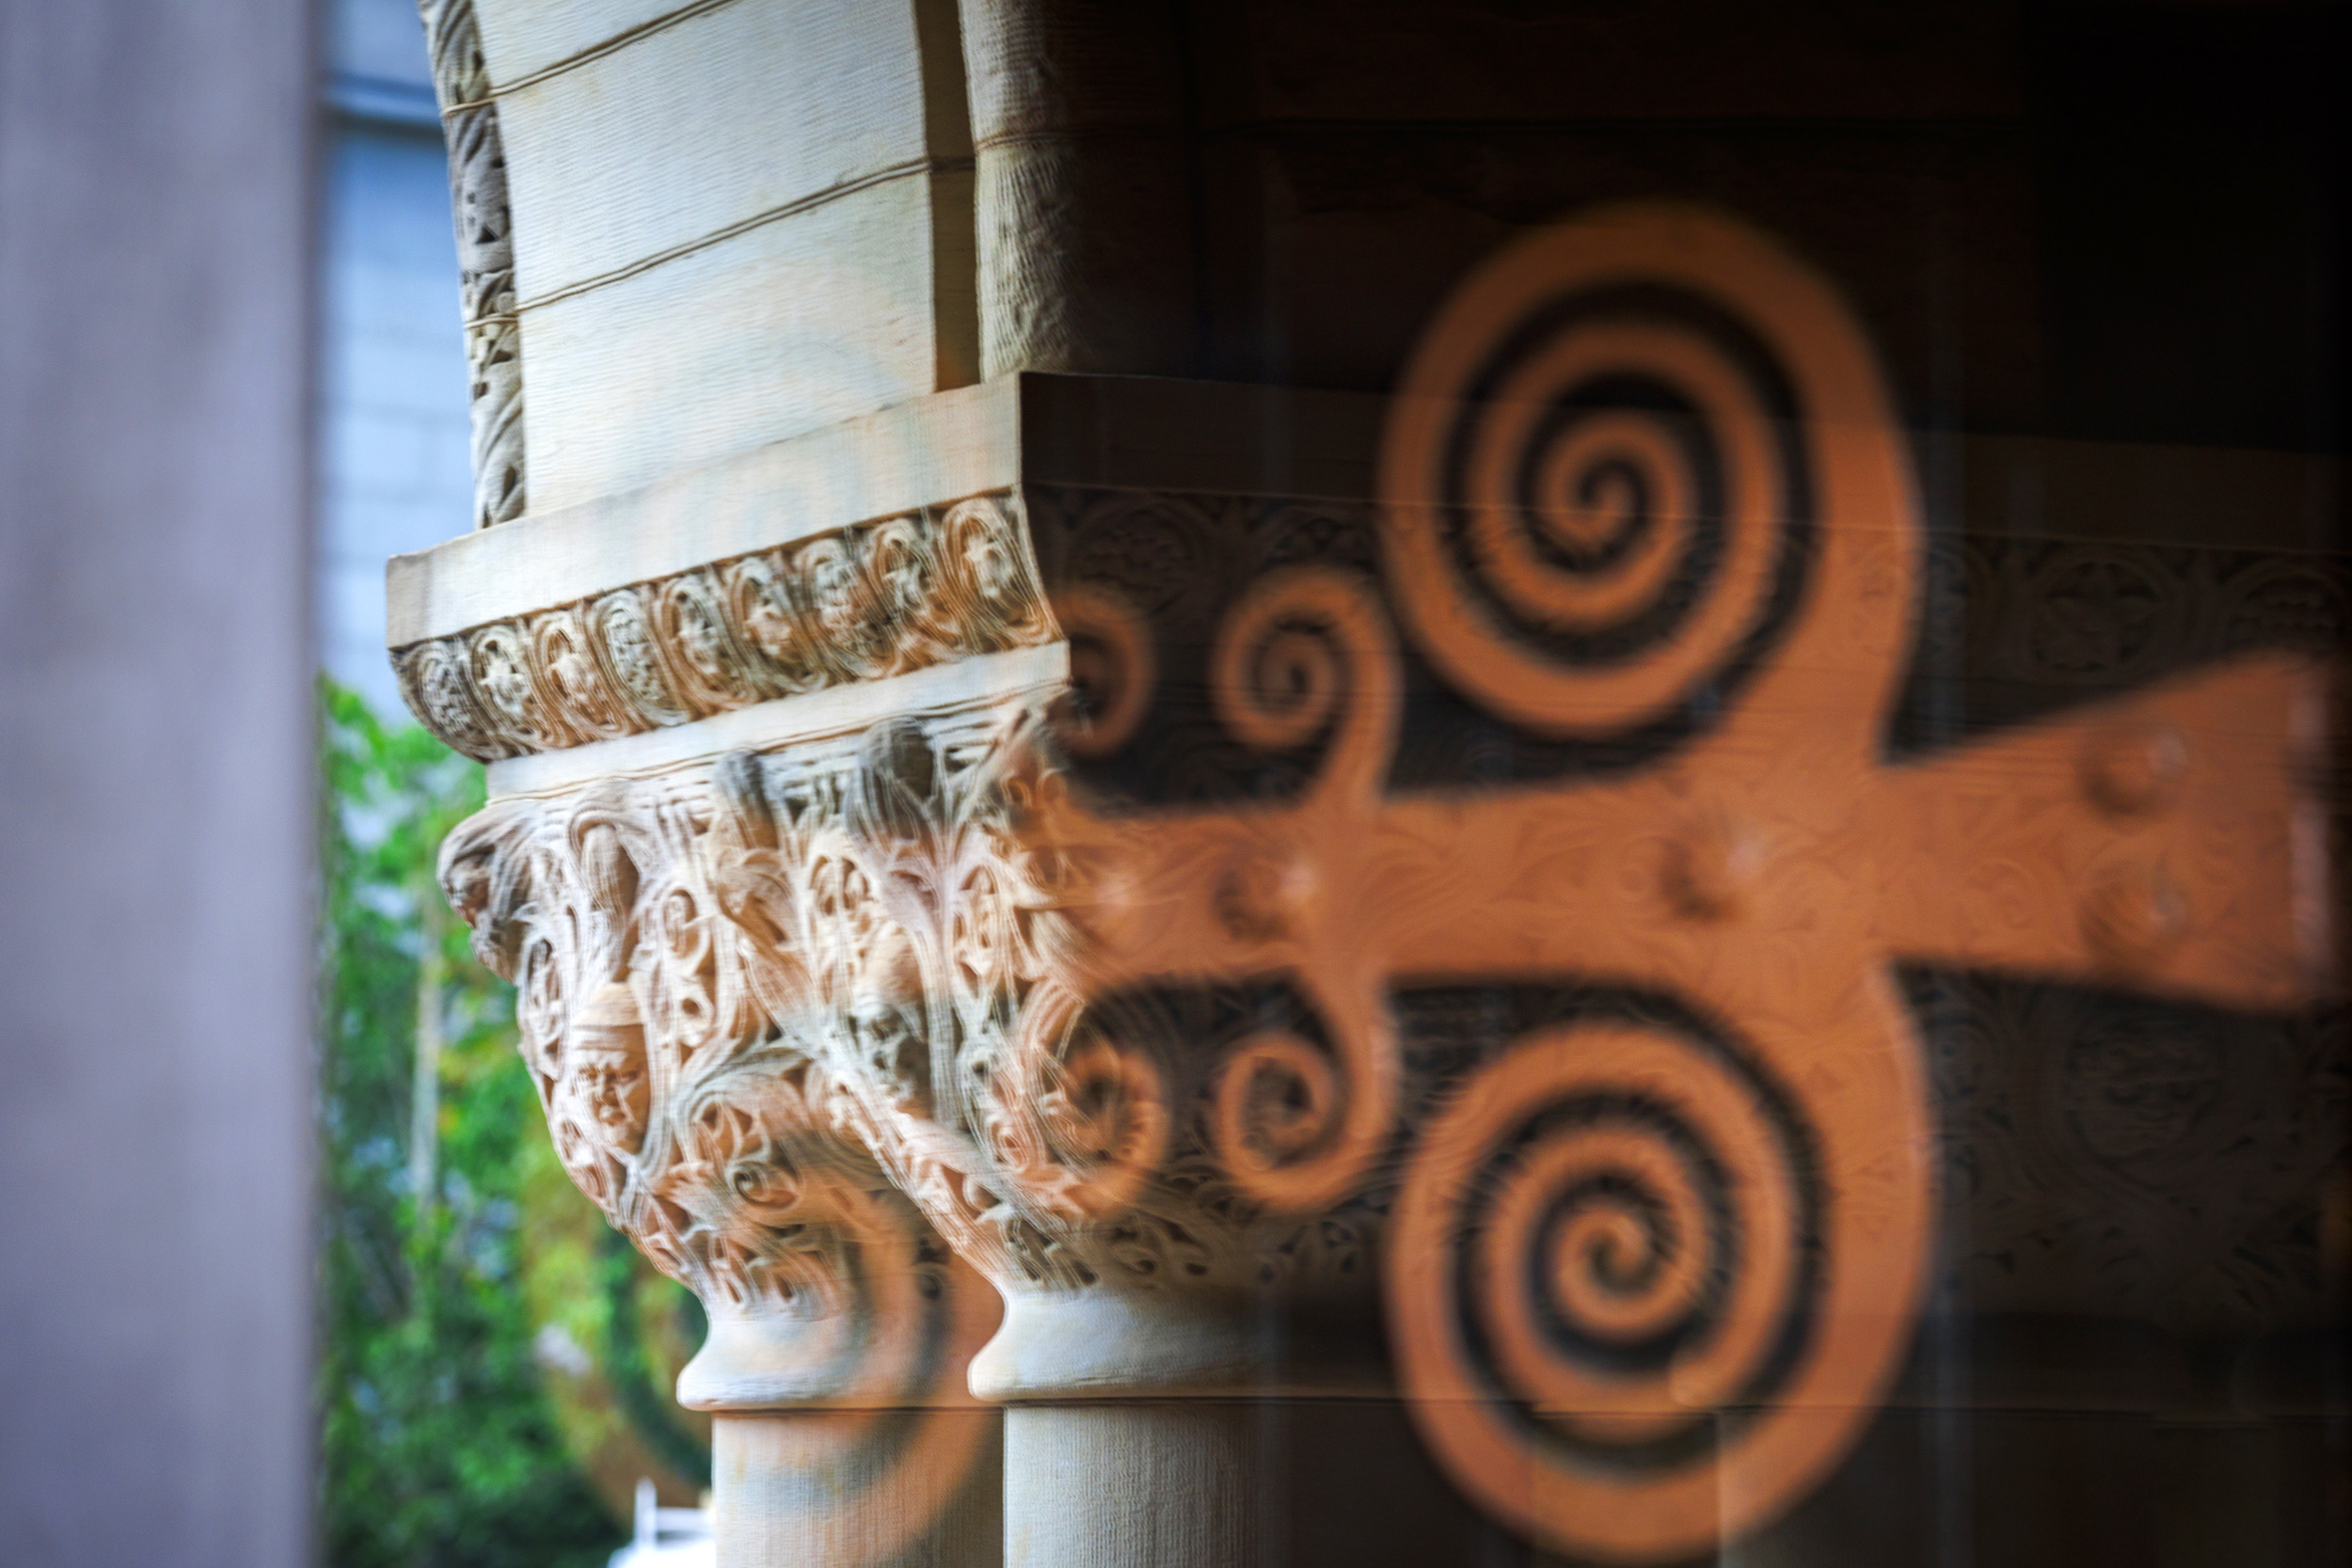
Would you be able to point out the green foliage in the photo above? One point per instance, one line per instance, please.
(635, 1297)
(439, 1448)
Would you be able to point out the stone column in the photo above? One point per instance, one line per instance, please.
(687, 231)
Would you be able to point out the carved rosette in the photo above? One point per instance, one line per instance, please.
(485, 257)
(1164, 1002)
(860, 603)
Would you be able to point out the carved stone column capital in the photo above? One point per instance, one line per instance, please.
(623, 912)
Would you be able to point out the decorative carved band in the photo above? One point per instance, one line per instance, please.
(875, 599)
(486, 256)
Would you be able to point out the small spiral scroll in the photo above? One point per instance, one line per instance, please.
(1277, 1098)
(1112, 670)
(1605, 1281)
(1303, 654)
(1598, 493)
(1297, 1125)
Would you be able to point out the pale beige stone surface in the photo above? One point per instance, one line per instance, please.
(525, 38)
(692, 130)
(800, 1491)
(818, 316)
(1143, 1484)
(731, 222)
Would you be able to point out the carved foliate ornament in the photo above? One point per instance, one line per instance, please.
(716, 1139)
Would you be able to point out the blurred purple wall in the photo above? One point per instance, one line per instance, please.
(155, 798)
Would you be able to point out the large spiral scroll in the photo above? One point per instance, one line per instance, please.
(1608, 1288)
(1599, 498)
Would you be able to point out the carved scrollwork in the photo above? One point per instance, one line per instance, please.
(989, 577)
(436, 684)
(632, 658)
(2098, 610)
(565, 659)
(858, 604)
(884, 941)
(706, 665)
(698, 1043)
(486, 256)
(781, 649)
(500, 660)
(844, 609)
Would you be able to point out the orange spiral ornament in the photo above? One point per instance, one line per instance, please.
(1598, 493)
